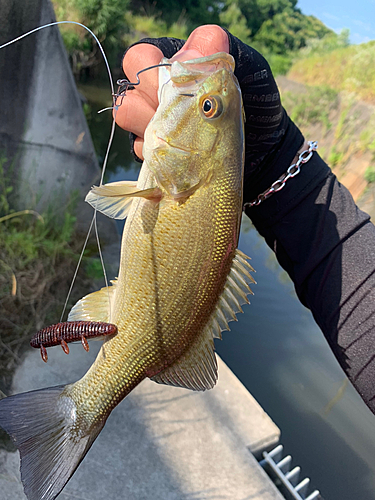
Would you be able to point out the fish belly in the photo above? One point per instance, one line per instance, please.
(175, 259)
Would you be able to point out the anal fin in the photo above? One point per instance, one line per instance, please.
(96, 306)
(196, 369)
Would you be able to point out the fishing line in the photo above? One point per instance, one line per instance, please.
(93, 221)
(67, 22)
(77, 267)
(124, 86)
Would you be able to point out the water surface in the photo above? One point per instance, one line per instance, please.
(281, 356)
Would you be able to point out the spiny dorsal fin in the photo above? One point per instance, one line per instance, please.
(234, 294)
(197, 367)
(95, 306)
(114, 199)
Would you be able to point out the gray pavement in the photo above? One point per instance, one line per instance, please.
(160, 443)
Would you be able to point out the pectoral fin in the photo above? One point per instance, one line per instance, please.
(114, 199)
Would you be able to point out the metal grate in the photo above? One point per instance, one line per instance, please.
(287, 479)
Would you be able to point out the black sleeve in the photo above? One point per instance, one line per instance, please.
(327, 246)
(320, 237)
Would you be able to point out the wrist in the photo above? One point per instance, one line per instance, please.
(274, 164)
(303, 155)
(304, 147)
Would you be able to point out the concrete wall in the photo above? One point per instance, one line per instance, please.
(43, 130)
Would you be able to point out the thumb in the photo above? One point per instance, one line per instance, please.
(203, 41)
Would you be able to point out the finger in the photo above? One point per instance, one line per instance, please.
(138, 147)
(139, 105)
(140, 57)
(133, 113)
(204, 41)
(186, 55)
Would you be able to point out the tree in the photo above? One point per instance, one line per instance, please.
(236, 23)
(276, 25)
(196, 12)
(289, 30)
(257, 12)
(106, 18)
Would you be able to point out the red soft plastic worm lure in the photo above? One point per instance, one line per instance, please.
(70, 331)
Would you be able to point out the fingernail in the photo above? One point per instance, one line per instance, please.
(186, 55)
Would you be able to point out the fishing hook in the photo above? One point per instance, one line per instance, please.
(124, 85)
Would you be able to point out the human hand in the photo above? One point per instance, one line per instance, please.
(266, 121)
(140, 104)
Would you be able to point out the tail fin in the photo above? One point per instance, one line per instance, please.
(44, 426)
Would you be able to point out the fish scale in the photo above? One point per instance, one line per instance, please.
(181, 277)
(140, 330)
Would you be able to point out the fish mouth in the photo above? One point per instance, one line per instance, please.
(168, 143)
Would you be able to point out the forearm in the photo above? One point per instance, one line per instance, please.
(319, 236)
(327, 245)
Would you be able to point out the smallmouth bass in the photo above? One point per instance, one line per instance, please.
(181, 277)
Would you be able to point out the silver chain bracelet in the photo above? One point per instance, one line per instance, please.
(292, 171)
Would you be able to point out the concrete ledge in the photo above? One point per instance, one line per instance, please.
(161, 443)
(241, 413)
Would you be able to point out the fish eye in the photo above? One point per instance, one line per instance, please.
(212, 106)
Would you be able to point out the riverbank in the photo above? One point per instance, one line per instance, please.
(344, 127)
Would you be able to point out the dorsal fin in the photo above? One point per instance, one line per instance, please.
(234, 294)
(95, 306)
(196, 369)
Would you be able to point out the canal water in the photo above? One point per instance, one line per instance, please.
(281, 356)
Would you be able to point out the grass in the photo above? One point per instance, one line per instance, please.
(38, 255)
(351, 69)
(335, 157)
(311, 107)
(343, 125)
(370, 174)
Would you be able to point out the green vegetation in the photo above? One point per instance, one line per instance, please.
(367, 137)
(343, 126)
(38, 255)
(196, 12)
(146, 26)
(104, 17)
(312, 106)
(370, 174)
(347, 68)
(277, 28)
(335, 157)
